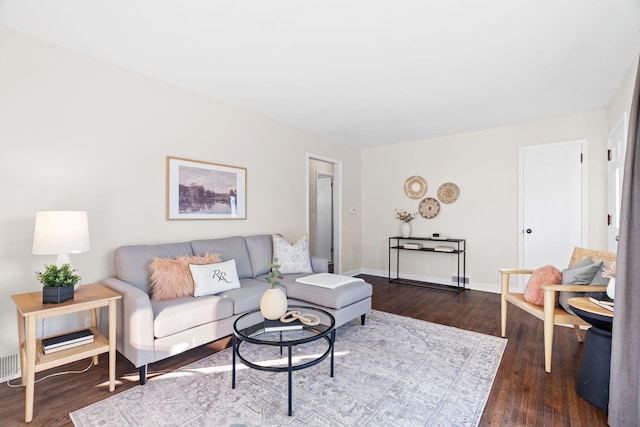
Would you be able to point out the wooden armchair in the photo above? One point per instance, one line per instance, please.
(551, 314)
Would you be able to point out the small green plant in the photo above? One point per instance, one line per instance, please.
(52, 276)
(274, 275)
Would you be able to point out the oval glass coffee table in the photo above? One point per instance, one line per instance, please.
(249, 330)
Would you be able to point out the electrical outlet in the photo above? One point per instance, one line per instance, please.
(427, 269)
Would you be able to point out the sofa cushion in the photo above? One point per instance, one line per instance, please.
(211, 279)
(180, 314)
(337, 298)
(247, 297)
(171, 278)
(132, 262)
(293, 258)
(228, 248)
(260, 253)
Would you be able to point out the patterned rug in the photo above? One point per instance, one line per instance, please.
(394, 371)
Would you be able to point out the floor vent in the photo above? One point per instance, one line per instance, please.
(9, 366)
(464, 279)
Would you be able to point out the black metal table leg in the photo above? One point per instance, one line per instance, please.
(233, 363)
(290, 371)
(333, 344)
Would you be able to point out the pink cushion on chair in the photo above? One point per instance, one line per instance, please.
(547, 275)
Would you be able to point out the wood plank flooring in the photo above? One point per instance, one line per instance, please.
(522, 395)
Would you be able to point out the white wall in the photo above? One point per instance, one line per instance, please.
(80, 134)
(621, 102)
(484, 165)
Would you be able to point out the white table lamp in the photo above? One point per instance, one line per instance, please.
(61, 233)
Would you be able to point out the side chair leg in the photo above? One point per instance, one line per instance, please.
(362, 319)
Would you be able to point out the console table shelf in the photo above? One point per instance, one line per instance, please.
(459, 251)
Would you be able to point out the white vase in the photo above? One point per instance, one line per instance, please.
(405, 230)
(611, 288)
(273, 303)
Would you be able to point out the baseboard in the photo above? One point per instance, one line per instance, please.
(476, 286)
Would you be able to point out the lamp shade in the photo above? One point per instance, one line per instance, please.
(61, 232)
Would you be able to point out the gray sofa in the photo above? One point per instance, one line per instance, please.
(148, 331)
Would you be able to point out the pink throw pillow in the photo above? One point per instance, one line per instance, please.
(547, 275)
(171, 278)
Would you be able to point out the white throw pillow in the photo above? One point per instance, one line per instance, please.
(210, 279)
(293, 258)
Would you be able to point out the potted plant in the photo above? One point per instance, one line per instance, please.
(58, 283)
(273, 303)
(406, 218)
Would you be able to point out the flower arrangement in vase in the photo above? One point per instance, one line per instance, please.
(273, 303)
(610, 273)
(58, 282)
(406, 218)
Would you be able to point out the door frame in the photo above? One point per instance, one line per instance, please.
(337, 206)
(583, 142)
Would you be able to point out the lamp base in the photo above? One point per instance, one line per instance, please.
(56, 294)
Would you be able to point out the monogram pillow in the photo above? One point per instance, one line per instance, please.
(211, 279)
(292, 257)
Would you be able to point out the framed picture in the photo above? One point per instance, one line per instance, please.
(201, 190)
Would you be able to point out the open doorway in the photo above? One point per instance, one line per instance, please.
(323, 209)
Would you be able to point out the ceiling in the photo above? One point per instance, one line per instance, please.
(361, 72)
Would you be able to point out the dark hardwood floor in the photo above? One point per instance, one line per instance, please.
(522, 395)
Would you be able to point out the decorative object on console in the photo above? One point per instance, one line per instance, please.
(293, 257)
(201, 190)
(429, 208)
(448, 192)
(415, 246)
(415, 187)
(406, 218)
(273, 303)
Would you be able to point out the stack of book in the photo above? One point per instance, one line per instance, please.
(608, 305)
(277, 325)
(66, 341)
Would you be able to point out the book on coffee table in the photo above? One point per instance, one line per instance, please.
(277, 325)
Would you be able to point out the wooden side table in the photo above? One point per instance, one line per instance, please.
(32, 359)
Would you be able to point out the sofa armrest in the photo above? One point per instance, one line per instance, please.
(319, 265)
(135, 339)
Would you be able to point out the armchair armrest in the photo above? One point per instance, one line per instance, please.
(135, 339)
(574, 288)
(515, 271)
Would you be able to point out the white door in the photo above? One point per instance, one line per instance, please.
(552, 202)
(324, 212)
(616, 155)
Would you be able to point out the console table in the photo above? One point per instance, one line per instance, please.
(396, 243)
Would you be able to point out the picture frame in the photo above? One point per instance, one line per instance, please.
(203, 190)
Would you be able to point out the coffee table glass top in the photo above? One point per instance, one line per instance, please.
(251, 327)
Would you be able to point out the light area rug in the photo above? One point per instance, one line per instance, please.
(393, 371)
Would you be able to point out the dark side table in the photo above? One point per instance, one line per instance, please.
(595, 364)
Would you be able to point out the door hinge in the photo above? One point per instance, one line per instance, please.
(609, 155)
(609, 219)
(581, 158)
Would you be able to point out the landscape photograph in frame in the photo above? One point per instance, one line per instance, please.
(202, 190)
